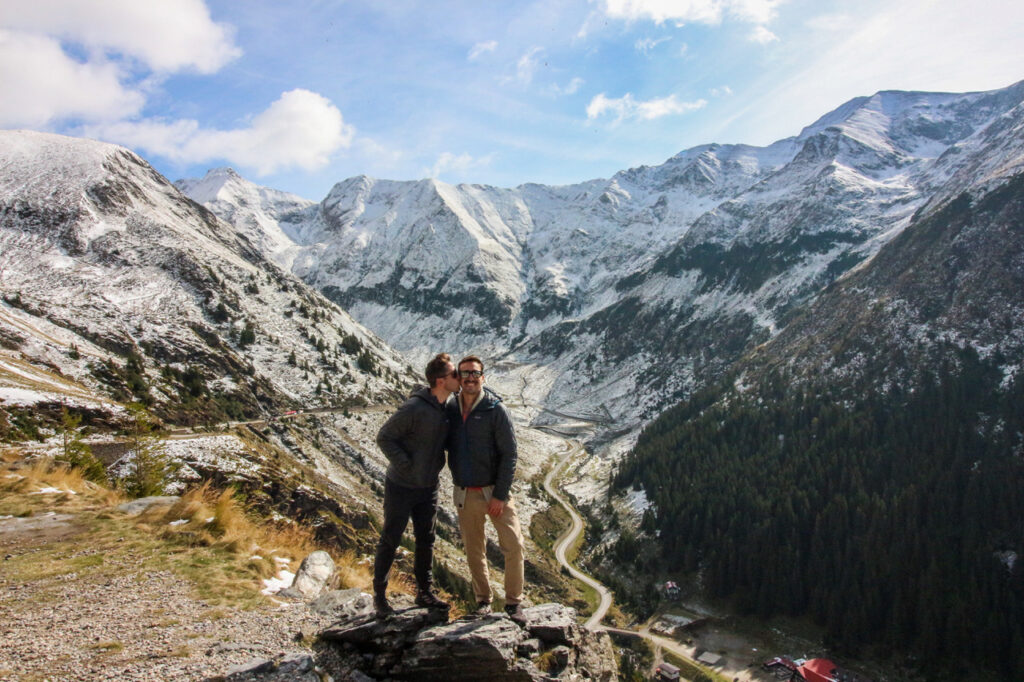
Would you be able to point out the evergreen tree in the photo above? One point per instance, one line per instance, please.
(150, 469)
(366, 362)
(220, 313)
(76, 453)
(247, 336)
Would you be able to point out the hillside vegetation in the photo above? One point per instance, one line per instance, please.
(892, 520)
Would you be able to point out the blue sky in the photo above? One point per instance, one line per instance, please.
(303, 94)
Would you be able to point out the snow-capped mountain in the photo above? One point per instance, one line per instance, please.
(619, 296)
(114, 280)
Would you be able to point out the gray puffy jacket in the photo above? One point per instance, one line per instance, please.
(413, 440)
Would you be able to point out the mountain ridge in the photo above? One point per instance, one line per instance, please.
(547, 280)
(98, 244)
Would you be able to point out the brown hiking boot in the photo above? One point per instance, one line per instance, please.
(515, 612)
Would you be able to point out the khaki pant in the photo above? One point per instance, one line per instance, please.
(472, 513)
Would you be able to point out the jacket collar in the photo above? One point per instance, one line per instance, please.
(486, 400)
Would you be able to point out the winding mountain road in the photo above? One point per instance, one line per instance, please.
(566, 540)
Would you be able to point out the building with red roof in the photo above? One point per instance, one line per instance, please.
(819, 670)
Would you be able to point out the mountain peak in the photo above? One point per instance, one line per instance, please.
(218, 184)
(925, 123)
(224, 174)
(82, 162)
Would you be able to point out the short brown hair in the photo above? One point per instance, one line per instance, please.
(471, 358)
(437, 368)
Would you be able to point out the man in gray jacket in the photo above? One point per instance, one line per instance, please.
(413, 440)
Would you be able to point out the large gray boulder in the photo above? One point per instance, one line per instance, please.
(595, 656)
(313, 578)
(552, 624)
(286, 668)
(342, 604)
(372, 633)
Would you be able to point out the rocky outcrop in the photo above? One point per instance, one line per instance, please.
(420, 644)
(285, 668)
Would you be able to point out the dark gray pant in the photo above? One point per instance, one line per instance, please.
(400, 503)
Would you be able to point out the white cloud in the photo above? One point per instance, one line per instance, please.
(645, 45)
(527, 65)
(571, 88)
(762, 36)
(448, 162)
(42, 84)
(301, 129)
(660, 11)
(165, 35)
(696, 11)
(125, 46)
(753, 11)
(574, 85)
(124, 43)
(480, 48)
(627, 107)
(723, 91)
(829, 22)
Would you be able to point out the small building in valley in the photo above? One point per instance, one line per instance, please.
(818, 670)
(666, 671)
(708, 658)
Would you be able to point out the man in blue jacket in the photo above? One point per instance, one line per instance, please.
(413, 440)
(482, 456)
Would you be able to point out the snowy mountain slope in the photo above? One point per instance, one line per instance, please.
(116, 288)
(264, 216)
(111, 277)
(952, 281)
(661, 276)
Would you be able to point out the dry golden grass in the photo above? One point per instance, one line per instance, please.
(42, 483)
(205, 517)
(351, 573)
(215, 543)
(10, 455)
